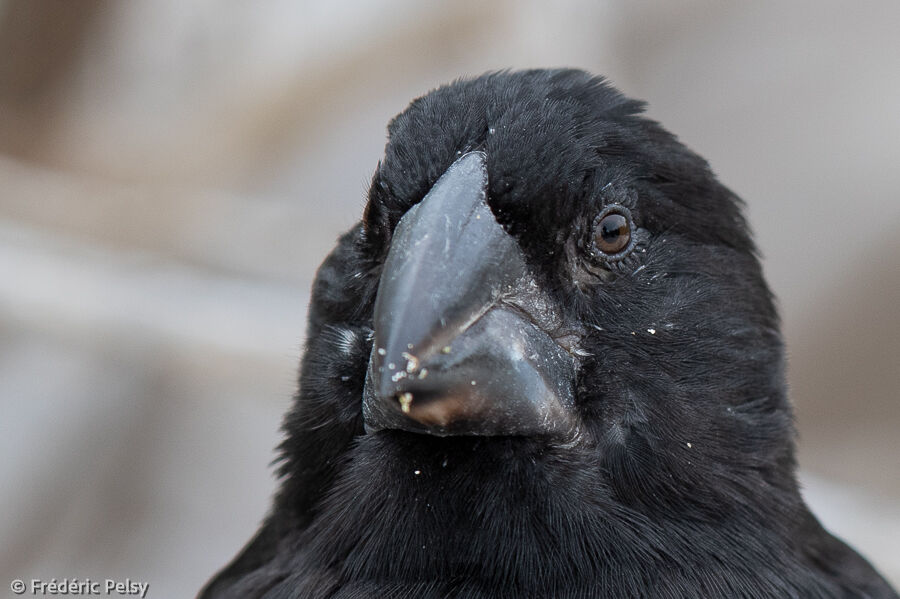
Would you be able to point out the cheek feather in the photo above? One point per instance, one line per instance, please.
(346, 340)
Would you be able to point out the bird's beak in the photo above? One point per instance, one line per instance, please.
(461, 341)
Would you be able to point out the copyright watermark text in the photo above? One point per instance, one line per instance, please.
(79, 586)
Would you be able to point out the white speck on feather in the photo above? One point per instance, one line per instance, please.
(381, 351)
(651, 331)
(423, 373)
(405, 400)
(392, 366)
(417, 472)
(398, 375)
(689, 445)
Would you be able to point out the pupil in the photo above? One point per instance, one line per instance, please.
(612, 227)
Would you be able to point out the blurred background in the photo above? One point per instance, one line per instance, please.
(172, 173)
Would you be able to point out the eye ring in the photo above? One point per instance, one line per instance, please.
(613, 234)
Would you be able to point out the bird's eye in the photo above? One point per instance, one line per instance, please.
(612, 231)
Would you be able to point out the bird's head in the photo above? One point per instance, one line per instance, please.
(547, 280)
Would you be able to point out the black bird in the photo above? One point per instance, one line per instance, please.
(544, 364)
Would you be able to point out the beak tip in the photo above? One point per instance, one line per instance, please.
(488, 385)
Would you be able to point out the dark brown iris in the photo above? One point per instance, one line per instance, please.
(612, 234)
